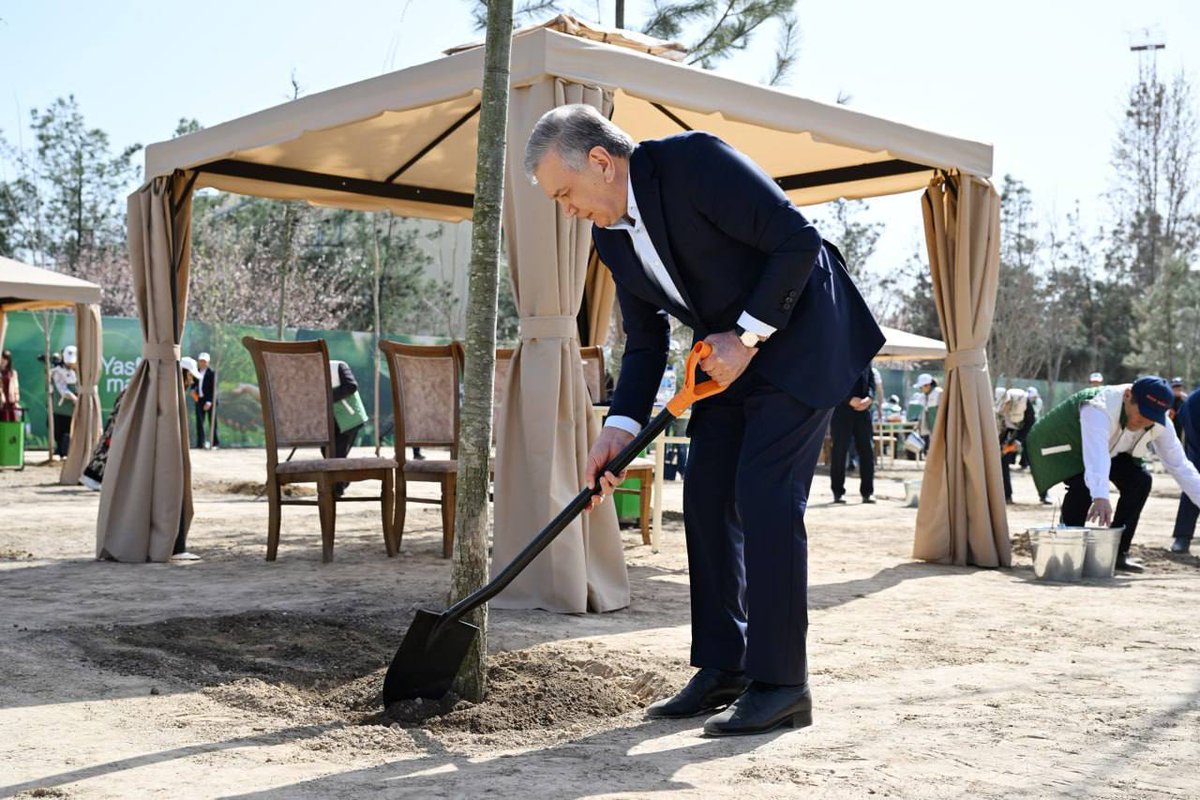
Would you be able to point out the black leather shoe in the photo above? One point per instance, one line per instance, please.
(1127, 564)
(839, 500)
(763, 707)
(1180, 545)
(868, 499)
(708, 690)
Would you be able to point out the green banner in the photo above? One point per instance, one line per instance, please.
(239, 417)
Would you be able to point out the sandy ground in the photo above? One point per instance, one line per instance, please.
(233, 677)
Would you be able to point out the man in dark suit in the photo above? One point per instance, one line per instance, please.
(851, 422)
(692, 228)
(206, 402)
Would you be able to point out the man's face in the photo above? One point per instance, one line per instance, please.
(201, 365)
(597, 193)
(1180, 392)
(1095, 383)
(1134, 420)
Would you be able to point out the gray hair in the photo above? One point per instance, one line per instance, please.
(572, 131)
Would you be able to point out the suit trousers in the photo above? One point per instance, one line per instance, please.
(848, 425)
(1132, 480)
(753, 452)
(1185, 517)
(201, 416)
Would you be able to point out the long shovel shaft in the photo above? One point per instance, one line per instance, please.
(557, 525)
(436, 645)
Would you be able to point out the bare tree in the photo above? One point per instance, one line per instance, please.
(1064, 293)
(1012, 347)
(475, 438)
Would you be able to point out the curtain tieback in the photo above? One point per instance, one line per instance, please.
(551, 326)
(970, 357)
(152, 351)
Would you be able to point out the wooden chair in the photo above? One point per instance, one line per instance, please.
(593, 373)
(425, 402)
(297, 406)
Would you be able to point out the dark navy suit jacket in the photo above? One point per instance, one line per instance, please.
(733, 242)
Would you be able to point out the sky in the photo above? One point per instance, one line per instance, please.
(1043, 82)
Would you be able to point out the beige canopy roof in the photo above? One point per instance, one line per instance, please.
(27, 288)
(904, 346)
(23, 288)
(405, 141)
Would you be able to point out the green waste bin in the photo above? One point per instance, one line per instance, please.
(629, 503)
(12, 445)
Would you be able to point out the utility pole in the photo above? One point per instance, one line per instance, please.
(1146, 42)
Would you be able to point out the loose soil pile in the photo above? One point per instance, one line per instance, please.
(314, 669)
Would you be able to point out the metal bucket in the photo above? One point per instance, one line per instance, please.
(1100, 561)
(912, 493)
(1058, 553)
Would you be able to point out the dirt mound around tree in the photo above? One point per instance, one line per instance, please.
(328, 670)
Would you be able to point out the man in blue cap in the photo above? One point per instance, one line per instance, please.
(1103, 434)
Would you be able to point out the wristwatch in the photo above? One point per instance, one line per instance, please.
(748, 338)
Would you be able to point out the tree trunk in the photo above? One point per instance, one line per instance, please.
(375, 351)
(475, 438)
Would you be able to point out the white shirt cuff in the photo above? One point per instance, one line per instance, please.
(627, 424)
(1093, 423)
(755, 325)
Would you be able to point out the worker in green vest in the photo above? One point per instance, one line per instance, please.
(1103, 434)
(349, 415)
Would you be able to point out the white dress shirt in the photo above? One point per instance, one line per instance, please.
(656, 271)
(1097, 454)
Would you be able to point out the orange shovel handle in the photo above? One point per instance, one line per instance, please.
(691, 391)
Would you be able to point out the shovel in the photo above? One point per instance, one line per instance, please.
(436, 645)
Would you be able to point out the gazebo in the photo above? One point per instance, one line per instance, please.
(27, 288)
(405, 142)
(901, 345)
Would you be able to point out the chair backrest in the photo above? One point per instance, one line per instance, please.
(593, 372)
(504, 356)
(295, 393)
(425, 397)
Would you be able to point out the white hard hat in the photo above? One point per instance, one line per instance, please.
(203, 357)
(1032, 391)
(70, 354)
(924, 379)
(1097, 377)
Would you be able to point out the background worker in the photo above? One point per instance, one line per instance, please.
(851, 422)
(1103, 434)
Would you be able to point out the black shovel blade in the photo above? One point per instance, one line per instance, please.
(427, 661)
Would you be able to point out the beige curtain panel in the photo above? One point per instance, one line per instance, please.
(85, 427)
(146, 496)
(961, 516)
(547, 421)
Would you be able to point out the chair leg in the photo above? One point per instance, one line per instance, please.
(389, 514)
(644, 507)
(449, 490)
(401, 508)
(273, 510)
(327, 506)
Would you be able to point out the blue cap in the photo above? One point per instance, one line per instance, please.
(1153, 397)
